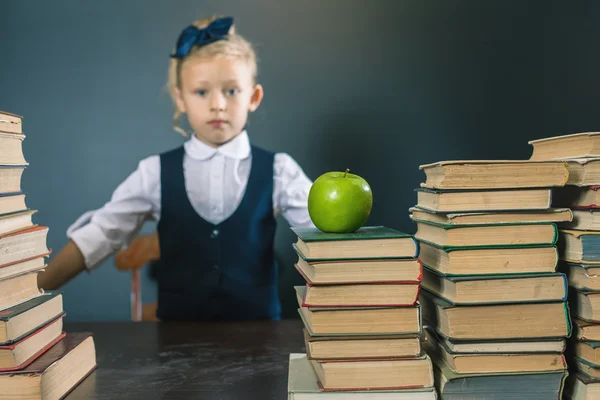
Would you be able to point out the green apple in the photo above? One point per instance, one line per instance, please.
(339, 202)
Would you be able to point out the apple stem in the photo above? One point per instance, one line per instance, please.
(346, 173)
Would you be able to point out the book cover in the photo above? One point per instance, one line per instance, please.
(512, 246)
(444, 304)
(412, 302)
(417, 279)
(315, 259)
(503, 217)
(52, 355)
(34, 357)
(472, 278)
(302, 380)
(364, 233)
(9, 313)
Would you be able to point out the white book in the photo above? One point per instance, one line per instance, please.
(302, 385)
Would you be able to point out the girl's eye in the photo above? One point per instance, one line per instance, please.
(201, 92)
(232, 92)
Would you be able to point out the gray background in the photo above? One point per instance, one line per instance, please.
(379, 87)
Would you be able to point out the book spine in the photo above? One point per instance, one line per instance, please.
(562, 384)
(417, 247)
(568, 319)
(555, 237)
(566, 177)
(566, 287)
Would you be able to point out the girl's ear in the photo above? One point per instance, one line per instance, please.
(256, 98)
(179, 100)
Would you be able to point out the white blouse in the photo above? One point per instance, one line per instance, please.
(215, 180)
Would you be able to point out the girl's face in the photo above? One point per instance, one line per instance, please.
(217, 93)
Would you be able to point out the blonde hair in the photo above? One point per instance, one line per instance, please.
(235, 46)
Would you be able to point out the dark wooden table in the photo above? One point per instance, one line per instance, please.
(225, 361)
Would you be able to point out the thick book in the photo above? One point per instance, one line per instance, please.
(23, 245)
(303, 385)
(577, 197)
(359, 320)
(496, 322)
(401, 270)
(488, 236)
(582, 387)
(16, 221)
(367, 242)
(11, 123)
(18, 355)
(583, 277)
(506, 386)
(484, 200)
(12, 148)
(505, 346)
(361, 295)
(19, 289)
(508, 362)
(496, 289)
(495, 174)
(55, 373)
(588, 351)
(576, 145)
(579, 246)
(583, 366)
(365, 347)
(27, 265)
(21, 320)
(585, 220)
(381, 374)
(12, 202)
(584, 171)
(553, 215)
(585, 330)
(585, 305)
(489, 261)
(10, 178)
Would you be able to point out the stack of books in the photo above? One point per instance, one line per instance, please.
(579, 247)
(362, 321)
(38, 360)
(493, 302)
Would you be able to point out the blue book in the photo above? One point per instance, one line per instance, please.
(580, 246)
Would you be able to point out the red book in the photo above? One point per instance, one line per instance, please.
(55, 373)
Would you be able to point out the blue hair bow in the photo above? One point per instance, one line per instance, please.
(193, 36)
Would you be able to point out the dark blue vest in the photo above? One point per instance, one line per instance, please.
(221, 272)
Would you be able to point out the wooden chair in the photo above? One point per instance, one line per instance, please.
(142, 250)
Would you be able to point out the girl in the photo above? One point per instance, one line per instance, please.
(215, 198)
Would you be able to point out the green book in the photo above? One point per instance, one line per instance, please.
(588, 370)
(486, 236)
(25, 318)
(546, 385)
(369, 242)
(489, 261)
(495, 321)
(586, 351)
(496, 289)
